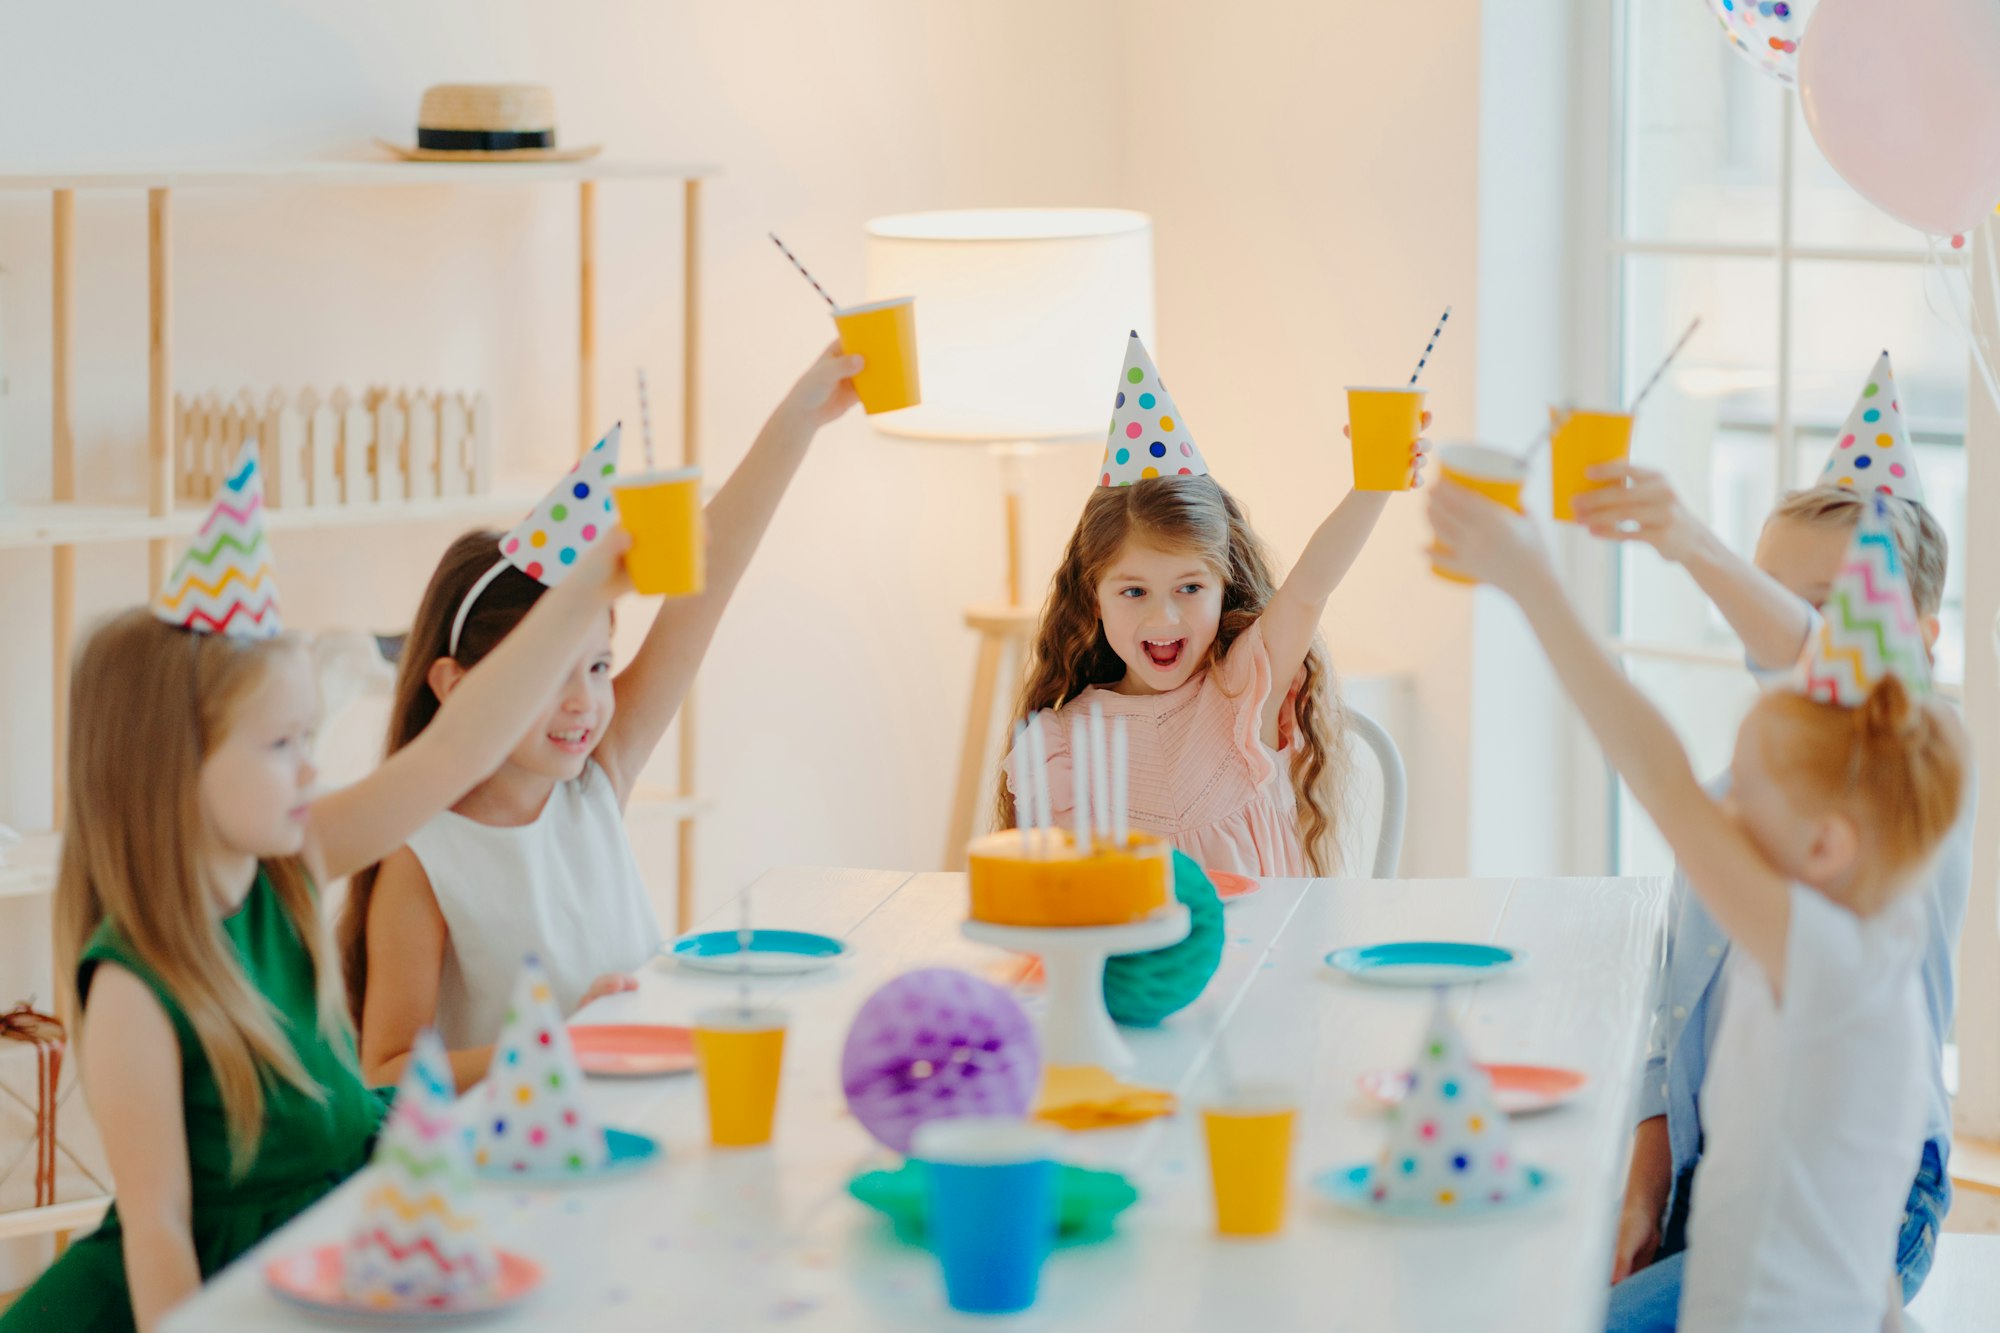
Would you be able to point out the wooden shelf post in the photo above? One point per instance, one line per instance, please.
(160, 377)
(586, 316)
(690, 457)
(62, 475)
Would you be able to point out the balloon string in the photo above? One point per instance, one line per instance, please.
(1964, 316)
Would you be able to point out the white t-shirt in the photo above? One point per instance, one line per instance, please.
(564, 888)
(1813, 1116)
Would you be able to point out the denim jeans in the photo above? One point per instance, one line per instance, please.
(1649, 1301)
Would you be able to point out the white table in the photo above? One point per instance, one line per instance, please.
(728, 1240)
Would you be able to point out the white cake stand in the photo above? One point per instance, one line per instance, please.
(1077, 1028)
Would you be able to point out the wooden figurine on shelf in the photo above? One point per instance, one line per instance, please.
(378, 446)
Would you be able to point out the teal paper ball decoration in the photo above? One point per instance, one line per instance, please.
(1141, 989)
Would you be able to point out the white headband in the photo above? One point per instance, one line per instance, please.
(465, 606)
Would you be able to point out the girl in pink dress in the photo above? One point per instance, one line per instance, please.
(1165, 611)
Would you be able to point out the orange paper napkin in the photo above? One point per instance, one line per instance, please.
(1087, 1097)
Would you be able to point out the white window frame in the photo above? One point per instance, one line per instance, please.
(1600, 371)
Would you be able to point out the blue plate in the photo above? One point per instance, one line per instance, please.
(1353, 1188)
(1424, 962)
(625, 1152)
(772, 952)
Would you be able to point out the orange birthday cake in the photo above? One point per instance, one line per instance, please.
(1022, 877)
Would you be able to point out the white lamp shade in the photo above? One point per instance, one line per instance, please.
(1022, 317)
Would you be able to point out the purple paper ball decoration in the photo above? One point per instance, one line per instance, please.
(933, 1044)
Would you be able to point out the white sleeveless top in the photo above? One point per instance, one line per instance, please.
(564, 887)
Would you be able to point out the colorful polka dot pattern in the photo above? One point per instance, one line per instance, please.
(535, 1121)
(1766, 32)
(1447, 1145)
(546, 543)
(1872, 451)
(1148, 438)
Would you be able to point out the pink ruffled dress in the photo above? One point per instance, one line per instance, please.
(1201, 776)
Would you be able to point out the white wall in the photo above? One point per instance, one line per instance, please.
(1315, 174)
(844, 658)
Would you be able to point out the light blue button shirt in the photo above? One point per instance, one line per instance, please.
(1689, 1007)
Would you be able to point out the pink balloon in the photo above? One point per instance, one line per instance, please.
(1903, 97)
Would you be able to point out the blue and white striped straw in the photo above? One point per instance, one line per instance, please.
(1431, 346)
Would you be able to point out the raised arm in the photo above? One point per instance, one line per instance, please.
(1748, 899)
(651, 688)
(474, 729)
(1292, 617)
(1770, 619)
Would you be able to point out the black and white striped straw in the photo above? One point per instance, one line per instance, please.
(1693, 324)
(802, 271)
(1431, 346)
(645, 419)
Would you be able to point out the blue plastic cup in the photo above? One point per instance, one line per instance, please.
(991, 1182)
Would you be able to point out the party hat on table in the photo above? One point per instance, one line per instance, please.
(224, 583)
(1449, 1145)
(1868, 626)
(416, 1245)
(1148, 436)
(535, 1120)
(1872, 452)
(546, 543)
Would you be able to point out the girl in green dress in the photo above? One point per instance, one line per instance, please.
(215, 1048)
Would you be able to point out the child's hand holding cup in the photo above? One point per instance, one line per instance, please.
(1483, 533)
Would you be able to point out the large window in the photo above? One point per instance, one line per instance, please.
(1726, 210)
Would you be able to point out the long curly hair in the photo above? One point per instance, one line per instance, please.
(1196, 515)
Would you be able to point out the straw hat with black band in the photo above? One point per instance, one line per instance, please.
(488, 122)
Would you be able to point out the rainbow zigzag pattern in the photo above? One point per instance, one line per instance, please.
(418, 1245)
(224, 583)
(1869, 629)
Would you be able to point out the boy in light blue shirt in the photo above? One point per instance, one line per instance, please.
(1773, 606)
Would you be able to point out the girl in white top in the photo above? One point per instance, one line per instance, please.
(1813, 1109)
(535, 858)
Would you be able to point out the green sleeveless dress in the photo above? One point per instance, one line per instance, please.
(308, 1146)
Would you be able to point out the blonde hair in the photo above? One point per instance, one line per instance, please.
(1919, 537)
(149, 703)
(1196, 515)
(1895, 766)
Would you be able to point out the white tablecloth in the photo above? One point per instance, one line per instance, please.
(731, 1240)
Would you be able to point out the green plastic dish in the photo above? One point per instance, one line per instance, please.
(1088, 1207)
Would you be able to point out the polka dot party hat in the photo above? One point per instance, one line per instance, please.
(1872, 451)
(1148, 437)
(1868, 624)
(549, 541)
(535, 1121)
(417, 1246)
(1449, 1146)
(1766, 32)
(224, 583)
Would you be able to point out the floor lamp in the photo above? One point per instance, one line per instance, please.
(1022, 316)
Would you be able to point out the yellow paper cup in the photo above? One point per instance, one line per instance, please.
(741, 1052)
(884, 334)
(1580, 442)
(1250, 1160)
(1383, 426)
(1488, 471)
(662, 511)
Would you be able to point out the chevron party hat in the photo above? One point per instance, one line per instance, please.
(1872, 451)
(1148, 437)
(1450, 1148)
(224, 583)
(417, 1247)
(1868, 627)
(549, 541)
(535, 1121)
